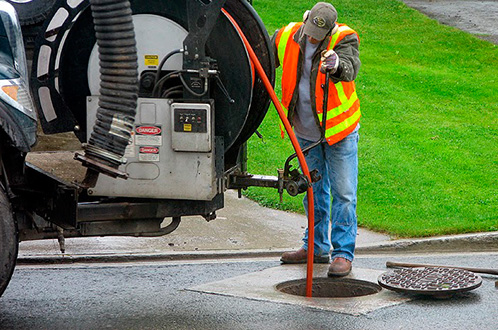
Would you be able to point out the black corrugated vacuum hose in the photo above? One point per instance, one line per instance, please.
(118, 88)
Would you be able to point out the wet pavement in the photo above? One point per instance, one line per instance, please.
(233, 294)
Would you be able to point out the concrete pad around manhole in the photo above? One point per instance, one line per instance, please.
(262, 286)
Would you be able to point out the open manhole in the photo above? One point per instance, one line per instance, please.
(330, 287)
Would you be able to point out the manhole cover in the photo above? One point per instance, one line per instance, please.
(330, 288)
(440, 282)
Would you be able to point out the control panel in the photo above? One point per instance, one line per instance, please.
(190, 120)
(192, 127)
(170, 154)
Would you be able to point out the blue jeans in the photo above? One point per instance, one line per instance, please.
(338, 166)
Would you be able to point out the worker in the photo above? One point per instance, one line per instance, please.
(307, 51)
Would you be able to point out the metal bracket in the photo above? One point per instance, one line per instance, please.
(202, 17)
(294, 185)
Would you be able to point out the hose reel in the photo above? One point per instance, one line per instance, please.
(62, 67)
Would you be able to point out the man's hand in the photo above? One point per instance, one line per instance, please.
(330, 61)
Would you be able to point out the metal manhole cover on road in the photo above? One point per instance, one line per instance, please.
(440, 282)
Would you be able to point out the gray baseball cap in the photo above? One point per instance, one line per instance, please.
(320, 21)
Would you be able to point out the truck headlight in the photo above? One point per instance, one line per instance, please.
(17, 95)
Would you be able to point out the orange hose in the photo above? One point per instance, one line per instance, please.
(297, 148)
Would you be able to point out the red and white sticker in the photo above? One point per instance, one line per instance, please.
(148, 154)
(149, 135)
(149, 130)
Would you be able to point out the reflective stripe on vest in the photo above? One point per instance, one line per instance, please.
(344, 114)
(285, 35)
(343, 106)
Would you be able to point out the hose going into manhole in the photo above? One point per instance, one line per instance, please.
(297, 148)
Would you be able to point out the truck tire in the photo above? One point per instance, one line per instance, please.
(32, 11)
(8, 242)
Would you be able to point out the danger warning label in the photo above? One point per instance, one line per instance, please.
(148, 154)
(150, 135)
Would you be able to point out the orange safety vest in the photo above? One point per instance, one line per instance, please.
(343, 106)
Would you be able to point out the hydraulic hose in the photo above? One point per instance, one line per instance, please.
(163, 61)
(297, 148)
(118, 87)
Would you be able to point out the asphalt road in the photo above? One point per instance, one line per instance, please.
(159, 296)
(474, 16)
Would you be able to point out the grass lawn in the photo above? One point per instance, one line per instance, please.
(429, 131)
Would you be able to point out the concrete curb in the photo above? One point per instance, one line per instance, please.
(482, 242)
(144, 257)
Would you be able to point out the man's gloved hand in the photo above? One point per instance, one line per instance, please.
(330, 61)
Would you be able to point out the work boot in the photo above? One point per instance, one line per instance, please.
(339, 267)
(300, 257)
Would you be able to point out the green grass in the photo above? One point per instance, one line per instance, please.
(429, 131)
